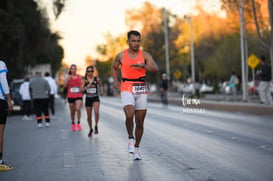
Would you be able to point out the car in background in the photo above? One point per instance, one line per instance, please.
(15, 95)
(205, 88)
(185, 88)
(253, 87)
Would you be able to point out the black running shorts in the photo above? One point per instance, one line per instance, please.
(3, 111)
(90, 100)
(73, 100)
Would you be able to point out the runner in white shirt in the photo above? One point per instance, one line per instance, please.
(25, 94)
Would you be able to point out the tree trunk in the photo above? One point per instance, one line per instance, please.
(270, 10)
(266, 45)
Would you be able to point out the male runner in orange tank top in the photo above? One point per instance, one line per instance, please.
(133, 64)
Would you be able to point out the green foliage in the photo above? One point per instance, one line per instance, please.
(224, 59)
(216, 42)
(104, 69)
(153, 44)
(26, 39)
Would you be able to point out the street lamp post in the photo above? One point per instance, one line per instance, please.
(166, 35)
(242, 24)
(192, 56)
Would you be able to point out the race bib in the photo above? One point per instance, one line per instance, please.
(139, 88)
(74, 89)
(91, 90)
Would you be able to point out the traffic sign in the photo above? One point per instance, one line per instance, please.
(253, 61)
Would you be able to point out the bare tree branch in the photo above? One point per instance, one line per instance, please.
(257, 26)
(270, 10)
(58, 6)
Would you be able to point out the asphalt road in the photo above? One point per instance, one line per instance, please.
(197, 145)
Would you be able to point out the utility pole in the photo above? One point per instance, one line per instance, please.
(166, 35)
(192, 52)
(243, 63)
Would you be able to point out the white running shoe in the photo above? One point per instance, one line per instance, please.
(47, 125)
(137, 155)
(131, 146)
(27, 118)
(40, 125)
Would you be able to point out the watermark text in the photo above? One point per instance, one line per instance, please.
(191, 105)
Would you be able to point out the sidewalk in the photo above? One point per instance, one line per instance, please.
(220, 103)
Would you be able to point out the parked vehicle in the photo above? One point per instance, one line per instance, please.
(185, 88)
(15, 95)
(253, 87)
(205, 88)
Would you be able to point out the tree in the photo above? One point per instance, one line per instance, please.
(58, 6)
(107, 52)
(216, 40)
(146, 19)
(25, 37)
(149, 21)
(209, 32)
(225, 55)
(262, 36)
(89, 60)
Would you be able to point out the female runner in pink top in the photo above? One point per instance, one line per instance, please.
(74, 96)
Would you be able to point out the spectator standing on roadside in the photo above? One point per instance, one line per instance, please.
(25, 94)
(53, 92)
(233, 81)
(5, 106)
(39, 91)
(163, 87)
(264, 72)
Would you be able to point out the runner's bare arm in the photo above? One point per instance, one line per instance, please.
(115, 68)
(149, 64)
(10, 106)
(82, 83)
(82, 89)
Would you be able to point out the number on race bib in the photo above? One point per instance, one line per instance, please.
(92, 90)
(74, 89)
(139, 88)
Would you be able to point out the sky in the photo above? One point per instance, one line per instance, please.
(83, 23)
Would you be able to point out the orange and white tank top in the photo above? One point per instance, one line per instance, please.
(128, 72)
